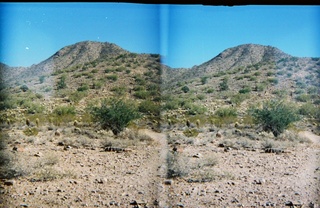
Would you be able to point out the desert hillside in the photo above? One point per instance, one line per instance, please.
(95, 125)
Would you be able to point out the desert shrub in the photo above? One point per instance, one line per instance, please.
(210, 90)
(64, 110)
(77, 96)
(273, 80)
(39, 96)
(226, 112)
(24, 88)
(270, 73)
(224, 84)
(143, 94)
(97, 84)
(48, 89)
(31, 131)
(112, 77)
(308, 109)
(260, 87)
(280, 93)
(109, 70)
(301, 84)
(32, 107)
(239, 98)
(61, 84)
(201, 96)
(115, 114)
(191, 132)
(83, 87)
(268, 144)
(139, 80)
(171, 104)
(275, 116)
(312, 90)
(149, 107)
(119, 90)
(245, 90)
(177, 165)
(194, 109)
(299, 91)
(185, 89)
(93, 71)
(204, 80)
(225, 115)
(139, 88)
(41, 79)
(303, 98)
(258, 73)
(219, 74)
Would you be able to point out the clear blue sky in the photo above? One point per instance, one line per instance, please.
(185, 35)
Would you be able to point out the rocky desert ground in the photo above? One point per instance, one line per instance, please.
(63, 167)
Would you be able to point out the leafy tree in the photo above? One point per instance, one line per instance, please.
(275, 116)
(115, 114)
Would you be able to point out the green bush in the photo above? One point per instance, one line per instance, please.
(260, 87)
(204, 80)
(193, 109)
(308, 109)
(275, 116)
(61, 84)
(224, 85)
(64, 110)
(191, 132)
(77, 96)
(24, 88)
(185, 89)
(41, 79)
(226, 112)
(143, 94)
(97, 84)
(303, 98)
(115, 114)
(112, 77)
(83, 87)
(225, 115)
(119, 90)
(239, 98)
(210, 90)
(245, 90)
(149, 107)
(273, 80)
(31, 131)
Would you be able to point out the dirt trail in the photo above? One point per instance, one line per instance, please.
(163, 189)
(314, 138)
(311, 169)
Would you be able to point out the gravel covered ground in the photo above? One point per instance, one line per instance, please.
(63, 168)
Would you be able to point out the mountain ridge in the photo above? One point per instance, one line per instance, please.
(82, 53)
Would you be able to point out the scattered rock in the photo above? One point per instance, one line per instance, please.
(198, 155)
(9, 182)
(168, 182)
(57, 133)
(38, 154)
(260, 181)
